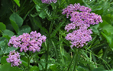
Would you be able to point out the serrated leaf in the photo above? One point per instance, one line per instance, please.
(57, 29)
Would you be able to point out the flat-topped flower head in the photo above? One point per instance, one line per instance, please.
(14, 58)
(81, 18)
(28, 42)
(79, 38)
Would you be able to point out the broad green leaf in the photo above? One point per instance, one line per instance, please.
(34, 68)
(17, 2)
(7, 33)
(24, 29)
(109, 39)
(7, 67)
(2, 26)
(3, 59)
(17, 19)
(15, 26)
(53, 67)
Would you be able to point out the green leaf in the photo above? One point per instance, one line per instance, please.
(7, 67)
(38, 23)
(103, 24)
(7, 50)
(37, 8)
(7, 33)
(95, 29)
(3, 59)
(2, 26)
(24, 61)
(34, 68)
(17, 19)
(109, 39)
(53, 67)
(42, 14)
(17, 2)
(57, 29)
(98, 69)
(79, 68)
(24, 29)
(15, 26)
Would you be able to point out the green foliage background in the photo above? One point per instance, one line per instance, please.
(23, 16)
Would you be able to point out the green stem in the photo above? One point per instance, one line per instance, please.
(71, 62)
(28, 62)
(46, 57)
(76, 58)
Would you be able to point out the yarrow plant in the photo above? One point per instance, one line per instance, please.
(28, 42)
(14, 58)
(48, 1)
(81, 18)
(25, 42)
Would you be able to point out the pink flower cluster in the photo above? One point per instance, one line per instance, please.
(81, 19)
(14, 58)
(28, 42)
(82, 14)
(49, 1)
(79, 37)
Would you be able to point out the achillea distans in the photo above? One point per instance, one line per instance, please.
(14, 58)
(85, 17)
(79, 38)
(81, 18)
(28, 42)
(80, 13)
(78, 25)
(48, 1)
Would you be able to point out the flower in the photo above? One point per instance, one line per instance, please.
(28, 42)
(48, 1)
(79, 37)
(14, 58)
(81, 18)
